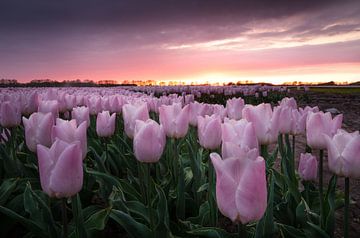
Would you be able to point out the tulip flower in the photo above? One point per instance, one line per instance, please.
(149, 141)
(265, 122)
(60, 168)
(49, 106)
(287, 121)
(241, 191)
(288, 102)
(94, 105)
(38, 130)
(240, 134)
(196, 109)
(10, 115)
(318, 124)
(105, 124)
(308, 166)
(234, 108)
(69, 132)
(81, 114)
(30, 103)
(343, 153)
(174, 119)
(209, 131)
(131, 113)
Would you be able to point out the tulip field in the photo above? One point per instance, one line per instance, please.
(172, 161)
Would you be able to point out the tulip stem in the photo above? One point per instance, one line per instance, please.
(293, 146)
(64, 217)
(141, 180)
(211, 197)
(346, 211)
(321, 187)
(241, 230)
(179, 174)
(148, 196)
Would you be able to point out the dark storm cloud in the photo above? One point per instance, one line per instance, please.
(47, 13)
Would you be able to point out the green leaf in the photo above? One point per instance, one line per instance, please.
(97, 221)
(315, 231)
(7, 187)
(132, 227)
(330, 211)
(47, 217)
(29, 224)
(162, 211)
(31, 206)
(210, 232)
(78, 217)
(265, 226)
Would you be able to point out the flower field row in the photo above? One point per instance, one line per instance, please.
(165, 162)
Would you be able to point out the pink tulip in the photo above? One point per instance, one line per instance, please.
(241, 192)
(81, 114)
(49, 106)
(94, 105)
(10, 115)
(288, 102)
(288, 122)
(209, 131)
(38, 130)
(30, 103)
(115, 103)
(318, 124)
(131, 113)
(265, 122)
(69, 132)
(149, 141)
(70, 101)
(219, 110)
(60, 168)
(175, 120)
(344, 153)
(196, 109)
(105, 124)
(234, 108)
(308, 167)
(238, 134)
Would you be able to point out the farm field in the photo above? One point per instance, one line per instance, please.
(179, 161)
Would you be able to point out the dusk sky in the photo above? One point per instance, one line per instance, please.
(204, 40)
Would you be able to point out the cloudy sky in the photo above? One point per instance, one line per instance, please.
(190, 40)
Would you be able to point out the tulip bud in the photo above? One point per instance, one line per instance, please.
(38, 130)
(149, 141)
(240, 134)
(69, 132)
(49, 106)
(175, 120)
(209, 131)
(308, 167)
(343, 153)
(81, 114)
(60, 168)
(234, 108)
(288, 102)
(318, 124)
(131, 113)
(10, 115)
(265, 122)
(241, 191)
(105, 124)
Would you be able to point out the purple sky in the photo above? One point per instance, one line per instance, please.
(215, 41)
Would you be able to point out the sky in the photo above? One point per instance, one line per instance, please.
(273, 41)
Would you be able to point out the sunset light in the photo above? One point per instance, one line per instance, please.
(186, 42)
